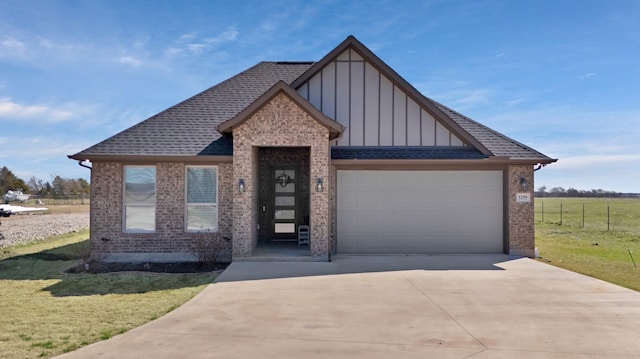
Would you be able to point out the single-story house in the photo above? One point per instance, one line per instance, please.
(344, 145)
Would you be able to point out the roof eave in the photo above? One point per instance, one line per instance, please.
(152, 158)
(335, 129)
(494, 161)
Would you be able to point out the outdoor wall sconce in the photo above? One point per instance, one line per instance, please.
(524, 184)
(319, 184)
(241, 185)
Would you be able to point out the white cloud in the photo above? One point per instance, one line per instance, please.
(140, 43)
(172, 51)
(129, 60)
(194, 44)
(595, 162)
(46, 43)
(11, 110)
(471, 97)
(196, 48)
(12, 48)
(43, 157)
(456, 93)
(226, 36)
(516, 101)
(595, 149)
(187, 37)
(608, 172)
(39, 148)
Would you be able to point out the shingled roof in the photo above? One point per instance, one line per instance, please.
(190, 128)
(406, 153)
(499, 144)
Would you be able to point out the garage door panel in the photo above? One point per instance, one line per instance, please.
(349, 201)
(419, 212)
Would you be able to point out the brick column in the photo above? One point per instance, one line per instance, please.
(521, 228)
(279, 123)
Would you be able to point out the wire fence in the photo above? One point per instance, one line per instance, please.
(594, 214)
(35, 200)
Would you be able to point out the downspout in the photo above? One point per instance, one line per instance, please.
(540, 165)
(81, 164)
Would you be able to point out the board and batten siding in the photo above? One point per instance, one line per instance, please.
(373, 109)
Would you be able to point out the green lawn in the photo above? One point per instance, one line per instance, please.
(45, 312)
(604, 245)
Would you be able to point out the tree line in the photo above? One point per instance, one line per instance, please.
(572, 192)
(57, 187)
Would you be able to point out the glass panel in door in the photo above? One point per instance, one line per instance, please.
(285, 212)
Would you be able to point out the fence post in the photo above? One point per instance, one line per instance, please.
(560, 213)
(608, 217)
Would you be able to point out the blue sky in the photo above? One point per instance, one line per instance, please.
(560, 76)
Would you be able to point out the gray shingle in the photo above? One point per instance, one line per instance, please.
(497, 143)
(189, 128)
(406, 153)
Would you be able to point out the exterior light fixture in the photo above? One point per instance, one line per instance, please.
(319, 184)
(241, 185)
(524, 184)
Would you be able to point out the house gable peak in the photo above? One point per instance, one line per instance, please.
(335, 129)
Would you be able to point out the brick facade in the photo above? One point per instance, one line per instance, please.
(279, 123)
(238, 214)
(170, 242)
(520, 220)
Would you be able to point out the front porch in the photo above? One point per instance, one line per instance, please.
(281, 251)
(281, 160)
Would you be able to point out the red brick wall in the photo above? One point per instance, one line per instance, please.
(170, 242)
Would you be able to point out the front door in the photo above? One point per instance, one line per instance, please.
(285, 201)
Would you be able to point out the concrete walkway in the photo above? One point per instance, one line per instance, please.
(393, 307)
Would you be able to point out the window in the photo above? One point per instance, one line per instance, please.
(202, 199)
(139, 199)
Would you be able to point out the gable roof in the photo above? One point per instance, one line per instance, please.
(195, 127)
(335, 129)
(373, 59)
(190, 127)
(485, 140)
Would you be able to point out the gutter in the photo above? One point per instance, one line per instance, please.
(540, 165)
(81, 162)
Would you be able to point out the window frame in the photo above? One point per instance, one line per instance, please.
(125, 204)
(216, 222)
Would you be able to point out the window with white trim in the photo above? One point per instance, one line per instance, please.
(140, 199)
(202, 199)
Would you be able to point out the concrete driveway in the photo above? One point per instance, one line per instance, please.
(393, 307)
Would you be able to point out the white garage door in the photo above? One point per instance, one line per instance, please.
(419, 212)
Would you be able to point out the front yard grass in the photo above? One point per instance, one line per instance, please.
(46, 312)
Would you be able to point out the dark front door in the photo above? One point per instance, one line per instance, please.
(285, 202)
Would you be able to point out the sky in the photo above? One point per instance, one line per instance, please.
(561, 76)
